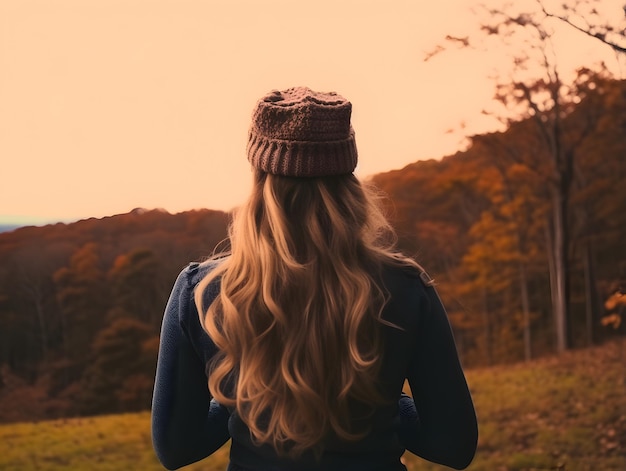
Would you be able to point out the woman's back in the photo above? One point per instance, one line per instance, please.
(421, 349)
(314, 321)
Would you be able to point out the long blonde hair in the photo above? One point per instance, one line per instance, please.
(298, 314)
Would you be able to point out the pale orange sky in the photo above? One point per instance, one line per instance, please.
(110, 105)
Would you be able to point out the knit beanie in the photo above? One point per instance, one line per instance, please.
(302, 133)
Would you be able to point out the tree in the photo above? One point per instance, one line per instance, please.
(599, 172)
(584, 16)
(505, 248)
(19, 349)
(36, 293)
(82, 297)
(120, 373)
(546, 101)
(138, 287)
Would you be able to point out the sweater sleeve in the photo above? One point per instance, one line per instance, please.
(187, 425)
(447, 431)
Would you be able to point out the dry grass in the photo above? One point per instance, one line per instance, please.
(564, 413)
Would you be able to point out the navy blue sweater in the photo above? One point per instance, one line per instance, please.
(187, 425)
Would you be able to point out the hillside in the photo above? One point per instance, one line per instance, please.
(564, 413)
(489, 224)
(64, 286)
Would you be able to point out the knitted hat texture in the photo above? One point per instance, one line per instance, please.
(302, 133)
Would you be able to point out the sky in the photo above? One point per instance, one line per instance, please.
(106, 106)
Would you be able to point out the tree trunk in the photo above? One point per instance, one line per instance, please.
(32, 288)
(525, 312)
(43, 328)
(487, 329)
(591, 293)
(560, 263)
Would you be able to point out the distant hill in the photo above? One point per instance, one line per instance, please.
(8, 223)
(8, 227)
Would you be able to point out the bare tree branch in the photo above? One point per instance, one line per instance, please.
(599, 35)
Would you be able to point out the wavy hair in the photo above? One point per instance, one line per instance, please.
(298, 314)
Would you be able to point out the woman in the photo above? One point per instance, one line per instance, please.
(308, 329)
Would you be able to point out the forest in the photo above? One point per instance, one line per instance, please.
(81, 307)
(81, 303)
(494, 223)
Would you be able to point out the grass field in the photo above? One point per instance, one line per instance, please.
(565, 413)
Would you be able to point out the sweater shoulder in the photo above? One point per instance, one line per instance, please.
(196, 271)
(408, 276)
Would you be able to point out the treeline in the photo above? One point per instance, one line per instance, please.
(81, 307)
(494, 222)
(81, 304)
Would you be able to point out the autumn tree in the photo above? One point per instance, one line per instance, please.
(598, 193)
(63, 285)
(432, 204)
(36, 291)
(545, 99)
(19, 348)
(139, 287)
(506, 246)
(119, 376)
(82, 297)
